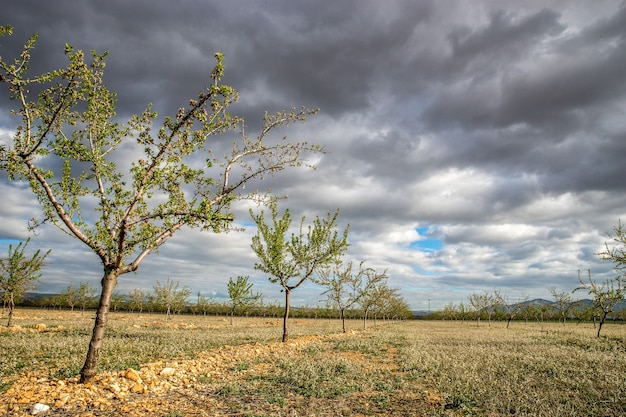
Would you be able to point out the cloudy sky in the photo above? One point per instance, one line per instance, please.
(473, 145)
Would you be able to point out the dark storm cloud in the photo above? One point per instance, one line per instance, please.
(499, 124)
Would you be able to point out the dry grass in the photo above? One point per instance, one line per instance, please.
(409, 369)
(547, 370)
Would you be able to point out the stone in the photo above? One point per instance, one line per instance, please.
(39, 409)
(132, 375)
(167, 371)
(137, 388)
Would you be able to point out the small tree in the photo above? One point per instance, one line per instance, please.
(70, 297)
(86, 295)
(373, 302)
(69, 138)
(291, 262)
(118, 300)
(203, 305)
(511, 310)
(606, 295)
(241, 296)
(617, 253)
(169, 298)
(563, 304)
(18, 274)
(137, 300)
(345, 287)
(482, 303)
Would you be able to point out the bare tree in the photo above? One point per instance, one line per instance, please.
(169, 297)
(511, 310)
(563, 304)
(345, 287)
(606, 295)
(482, 303)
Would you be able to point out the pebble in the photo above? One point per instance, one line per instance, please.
(39, 409)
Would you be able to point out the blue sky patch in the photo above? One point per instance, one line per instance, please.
(427, 244)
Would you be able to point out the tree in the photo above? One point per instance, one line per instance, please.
(346, 288)
(70, 297)
(72, 125)
(374, 301)
(617, 253)
(241, 296)
(137, 300)
(86, 294)
(291, 262)
(563, 304)
(169, 298)
(118, 300)
(18, 274)
(482, 303)
(510, 310)
(606, 295)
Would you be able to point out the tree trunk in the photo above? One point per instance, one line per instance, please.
(90, 368)
(286, 316)
(602, 320)
(11, 305)
(343, 320)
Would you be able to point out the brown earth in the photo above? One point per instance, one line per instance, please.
(186, 388)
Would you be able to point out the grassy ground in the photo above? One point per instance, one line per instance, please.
(410, 368)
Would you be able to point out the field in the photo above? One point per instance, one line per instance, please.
(203, 366)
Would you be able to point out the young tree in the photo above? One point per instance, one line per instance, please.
(606, 295)
(72, 125)
(563, 304)
(137, 300)
(481, 303)
(511, 310)
(70, 297)
(86, 294)
(18, 274)
(617, 253)
(374, 301)
(291, 262)
(203, 305)
(169, 298)
(346, 288)
(241, 296)
(118, 300)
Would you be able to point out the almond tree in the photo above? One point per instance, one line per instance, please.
(606, 295)
(345, 287)
(241, 296)
(617, 253)
(563, 304)
(291, 262)
(511, 310)
(373, 302)
(67, 143)
(18, 274)
(169, 297)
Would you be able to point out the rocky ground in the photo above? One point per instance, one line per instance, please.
(205, 386)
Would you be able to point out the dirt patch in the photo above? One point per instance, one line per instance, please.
(228, 381)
